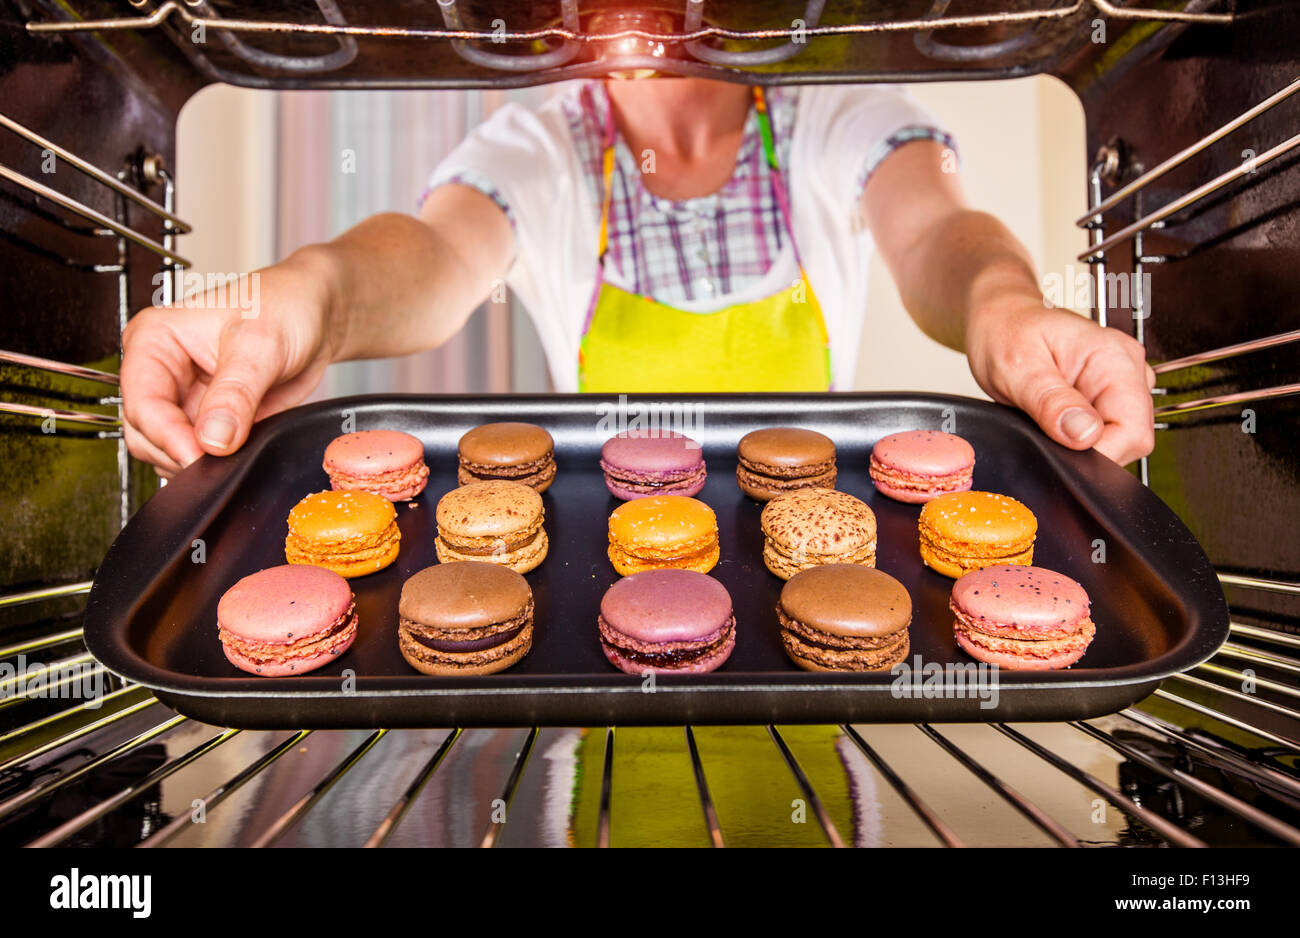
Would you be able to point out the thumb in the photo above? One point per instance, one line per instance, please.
(248, 363)
(1064, 414)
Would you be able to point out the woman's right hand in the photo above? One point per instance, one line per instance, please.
(195, 376)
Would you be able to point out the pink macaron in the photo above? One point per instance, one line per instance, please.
(641, 463)
(286, 620)
(1021, 618)
(383, 462)
(667, 621)
(918, 465)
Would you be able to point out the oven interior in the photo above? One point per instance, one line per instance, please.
(1193, 129)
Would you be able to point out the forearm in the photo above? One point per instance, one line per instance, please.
(965, 263)
(950, 262)
(970, 284)
(396, 284)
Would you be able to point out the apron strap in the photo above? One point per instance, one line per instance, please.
(607, 192)
(607, 174)
(778, 182)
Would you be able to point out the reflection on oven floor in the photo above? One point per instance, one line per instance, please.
(889, 785)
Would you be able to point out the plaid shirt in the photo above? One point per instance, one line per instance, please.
(698, 249)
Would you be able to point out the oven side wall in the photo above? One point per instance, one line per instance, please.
(65, 298)
(1228, 275)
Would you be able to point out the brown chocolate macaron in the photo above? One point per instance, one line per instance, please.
(783, 459)
(465, 618)
(811, 527)
(517, 452)
(843, 617)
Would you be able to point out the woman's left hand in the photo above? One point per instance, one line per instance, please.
(1085, 385)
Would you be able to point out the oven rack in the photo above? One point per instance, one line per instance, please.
(693, 54)
(106, 225)
(1227, 781)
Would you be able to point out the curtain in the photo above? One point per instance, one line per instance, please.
(342, 156)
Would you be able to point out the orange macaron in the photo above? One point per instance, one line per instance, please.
(966, 531)
(663, 531)
(350, 532)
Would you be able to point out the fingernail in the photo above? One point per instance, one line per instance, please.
(1078, 424)
(219, 429)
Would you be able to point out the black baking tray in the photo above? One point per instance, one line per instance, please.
(151, 615)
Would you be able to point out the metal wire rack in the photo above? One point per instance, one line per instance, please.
(141, 776)
(105, 426)
(566, 32)
(123, 769)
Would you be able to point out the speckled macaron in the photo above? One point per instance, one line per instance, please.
(810, 527)
(1021, 618)
(968, 530)
(641, 463)
(385, 462)
(286, 620)
(844, 617)
(492, 522)
(918, 465)
(775, 460)
(667, 622)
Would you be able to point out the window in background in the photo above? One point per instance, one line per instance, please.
(345, 155)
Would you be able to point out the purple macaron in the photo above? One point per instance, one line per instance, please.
(652, 462)
(667, 621)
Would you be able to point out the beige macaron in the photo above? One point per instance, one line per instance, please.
(494, 522)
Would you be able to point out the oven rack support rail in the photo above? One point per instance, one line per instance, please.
(1107, 167)
(692, 51)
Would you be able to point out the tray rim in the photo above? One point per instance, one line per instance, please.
(218, 478)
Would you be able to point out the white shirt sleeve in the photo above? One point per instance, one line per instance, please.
(860, 125)
(526, 162)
